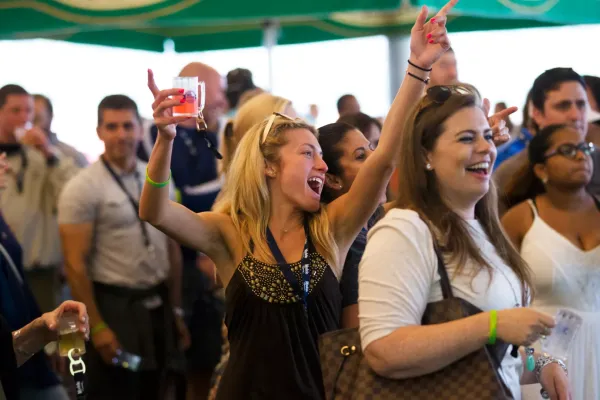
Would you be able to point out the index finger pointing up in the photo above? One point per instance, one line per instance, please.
(152, 84)
(447, 8)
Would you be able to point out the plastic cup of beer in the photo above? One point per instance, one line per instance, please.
(70, 335)
(189, 107)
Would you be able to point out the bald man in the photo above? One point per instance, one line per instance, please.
(194, 172)
(215, 102)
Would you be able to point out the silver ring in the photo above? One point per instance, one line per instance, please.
(547, 332)
(544, 394)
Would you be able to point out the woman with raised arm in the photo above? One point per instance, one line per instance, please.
(250, 113)
(345, 150)
(278, 251)
(447, 200)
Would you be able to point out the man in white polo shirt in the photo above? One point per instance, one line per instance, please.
(126, 272)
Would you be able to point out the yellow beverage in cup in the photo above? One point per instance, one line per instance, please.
(69, 335)
(71, 340)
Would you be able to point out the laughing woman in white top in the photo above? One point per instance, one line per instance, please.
(557, 229)
(446, 158)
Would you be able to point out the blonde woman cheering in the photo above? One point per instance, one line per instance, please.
(278, 251)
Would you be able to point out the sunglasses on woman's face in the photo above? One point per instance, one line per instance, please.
(570, 150)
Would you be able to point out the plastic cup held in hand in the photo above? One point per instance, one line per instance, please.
(22, 130)
(189, 106)
(69, 335)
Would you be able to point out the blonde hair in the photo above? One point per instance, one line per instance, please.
(245, 196)
(253, 111)
(418, 191)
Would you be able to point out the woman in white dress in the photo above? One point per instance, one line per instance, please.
(556, 227)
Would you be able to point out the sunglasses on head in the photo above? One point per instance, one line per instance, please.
(440, 94)
(270, 124)
(570, 150)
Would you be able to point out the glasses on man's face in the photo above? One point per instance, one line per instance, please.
(570, 150)
(270, 124)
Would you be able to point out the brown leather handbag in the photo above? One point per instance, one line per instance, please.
(347, 376)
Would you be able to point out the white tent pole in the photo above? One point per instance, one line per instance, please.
(398, 48)
(270, 36)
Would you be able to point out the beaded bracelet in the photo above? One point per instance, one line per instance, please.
(544, 360)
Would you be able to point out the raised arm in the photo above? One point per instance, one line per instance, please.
(350, 212)
(396, 276)
(199, 231)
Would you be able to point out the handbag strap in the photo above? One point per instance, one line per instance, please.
(441, 266)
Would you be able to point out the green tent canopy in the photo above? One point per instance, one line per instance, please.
(565, 12)
(197, 25)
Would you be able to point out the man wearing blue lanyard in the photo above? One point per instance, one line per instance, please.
(126, 272)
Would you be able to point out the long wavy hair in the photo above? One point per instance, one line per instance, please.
(418, 190)
(250, 113)
(245, 196)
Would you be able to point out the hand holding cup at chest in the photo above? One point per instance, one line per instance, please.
(35, 137)
(70, 335)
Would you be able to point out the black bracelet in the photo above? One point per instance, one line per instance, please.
(421, 68)
(425, 81)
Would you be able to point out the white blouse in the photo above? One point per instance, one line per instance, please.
(398, 277)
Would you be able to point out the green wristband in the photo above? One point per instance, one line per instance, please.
(157, 184)
(99, 327)
(493, 325)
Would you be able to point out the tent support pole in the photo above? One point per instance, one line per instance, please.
(270, 36)
(399, 51)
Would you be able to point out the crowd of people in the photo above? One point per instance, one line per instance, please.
(220, 276)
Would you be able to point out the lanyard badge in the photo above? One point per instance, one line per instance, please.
(77, 369)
